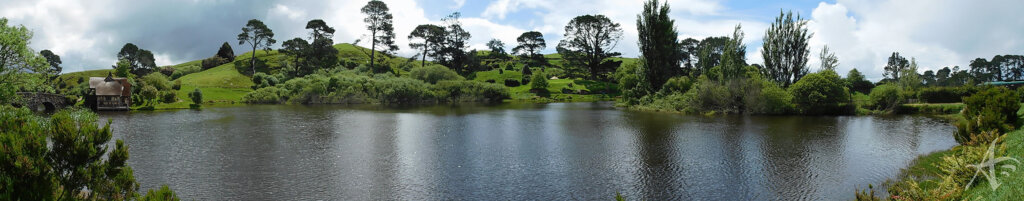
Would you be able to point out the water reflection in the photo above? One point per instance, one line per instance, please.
(515, 151)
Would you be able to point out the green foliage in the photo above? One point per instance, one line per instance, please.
(538, 81)
(820, 93)
(19, 61)
(785, 49)
(157, 80)
(470, 91)
(196, 96)
(404, 91)
(886, 97)
(148, 93)
(676, 85)
(211, 62)
(25, 173)
(855, 82)
(168, 97)
(434, 73)
(266, 95)
(164, 194)
(586, 41)
(123, 68)
(182, 70)
(140, 61)
(530, 45)
(261, 80)
(660, 51)
(226, 52)
(257, 35)
(177, 85)
(992, 109)
(77, 148)
(945, 94)
(378, 21)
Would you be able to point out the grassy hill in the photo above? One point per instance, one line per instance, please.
(224, 85)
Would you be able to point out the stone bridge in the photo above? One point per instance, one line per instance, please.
(42, 101)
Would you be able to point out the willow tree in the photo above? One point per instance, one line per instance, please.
(382, 31)
(588, 41)
(785, 49)
(660, 53)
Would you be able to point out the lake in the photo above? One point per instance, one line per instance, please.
(558, 151)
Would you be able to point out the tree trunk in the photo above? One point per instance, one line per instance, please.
(373, 50)
(423, 62)
(252, 60)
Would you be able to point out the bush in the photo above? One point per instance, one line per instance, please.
(164, 194)
(820, 93)
(886, 97)
(244, 66)
(945, 94)
(177, 85)
(167, 70)
(268, 95)
(676, 85)
(261, 80)
(434, 73)
(212, 62)
(157, 80)
(404, 91)
(196, 96)
(472, 91)
(148, 93)
(168, 97)
(184, 70)
(512, 83)
(771, 99)
(993, 109)
(226, 52)
(538, 81)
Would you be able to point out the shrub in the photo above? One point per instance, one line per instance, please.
(512, 83)
(226, 52)
(244, 66)
(434, 73)
(462, 91)
(404, 91)
(184, 70)
(164, 194)
(886, 97)
(770, 99)
(676, 85)
(196, 96)
(211, 62)
(157, 80)
(347, 63)
(993, 109)
(177, 85)
(168, 97)
(820, 93)
(268, 95)
(167, 70)
(148, 93)
(261, 80)
(538, 81)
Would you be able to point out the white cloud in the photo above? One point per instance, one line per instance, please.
(938, 33)
(458, 4)
(288, 12)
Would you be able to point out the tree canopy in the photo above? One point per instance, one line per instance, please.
(140, 61)
(382, 31)
(785, 48)
(257, 35)
(530, 45)
(431, 37)
(588, 42)
(660, 52)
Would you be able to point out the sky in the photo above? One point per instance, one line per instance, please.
(862, 33)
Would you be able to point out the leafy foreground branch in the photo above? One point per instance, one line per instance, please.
(72, 167)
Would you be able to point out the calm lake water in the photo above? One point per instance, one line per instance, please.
(561, 151)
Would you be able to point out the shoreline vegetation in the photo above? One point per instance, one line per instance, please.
(690, 76)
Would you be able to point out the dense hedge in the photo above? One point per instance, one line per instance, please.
(349, 88)
(434, 73)
(992, 109)
(945, 94)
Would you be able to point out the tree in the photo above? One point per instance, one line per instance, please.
(321, 52)
(530, 45)
(820, 92)
(690, 49)
(296, 48)
(257, 35)
(785, 48)
(24, 170)
(319, 29)
(431, 37)
(453, 49)
(929, 78)
(77, 148)
(54, 60)
(733, 59)
(196, 96)
(140, 61)
(588, 42)
(226, 52)
(709, 54)
(539, 82)
(122, 68)
(148, 93)
(660, 53)
(857, 83)
(829, 61)
(497, 47)
(895, 66)
(942, 76)
(378, 21)
(909, 78)
(19, 64)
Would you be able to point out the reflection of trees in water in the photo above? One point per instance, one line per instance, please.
(801, 155)
(657, 168)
